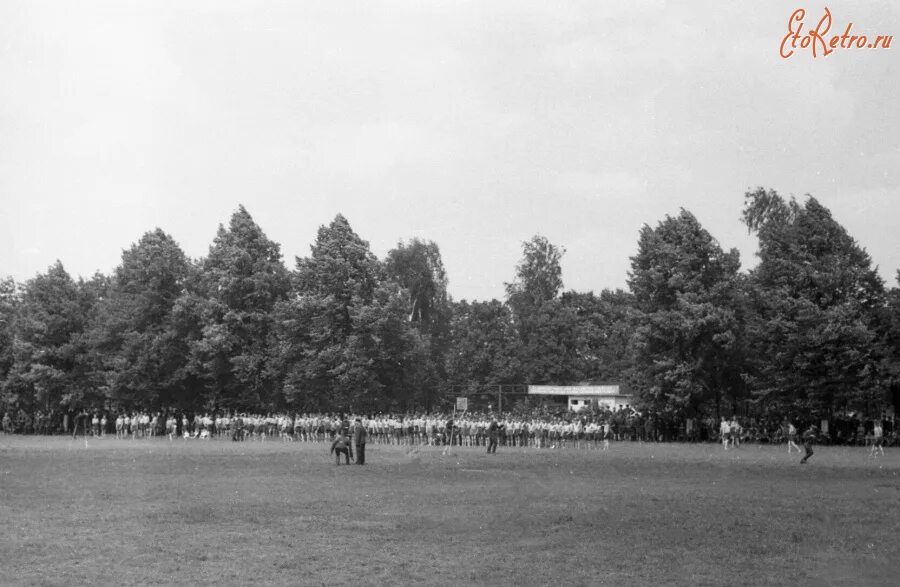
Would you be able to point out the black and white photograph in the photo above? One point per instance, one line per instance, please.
(494, 292)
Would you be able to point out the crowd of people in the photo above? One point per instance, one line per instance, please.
(517, 429)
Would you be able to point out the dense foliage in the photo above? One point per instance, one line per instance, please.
(811, 330)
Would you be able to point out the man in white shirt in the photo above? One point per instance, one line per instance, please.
(724, 432)
(792, 437)
(877, 440)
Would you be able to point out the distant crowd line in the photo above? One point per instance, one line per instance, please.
(466, 428)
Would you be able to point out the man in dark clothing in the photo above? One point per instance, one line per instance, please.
(493, 431)
(448, 434)
(345, 431)
(808, 438)
(359, 438)
(341, 445)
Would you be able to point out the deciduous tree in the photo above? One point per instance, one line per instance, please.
(345, 338)
(142, 357)
(688, 343)
(816, 299)
(50, 369)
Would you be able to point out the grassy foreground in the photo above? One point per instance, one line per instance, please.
(139, 512)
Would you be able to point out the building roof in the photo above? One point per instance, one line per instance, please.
(580, 390)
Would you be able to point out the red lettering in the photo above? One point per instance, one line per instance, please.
(819, 42)
(845, 36)
(792, 34)
(818, 35)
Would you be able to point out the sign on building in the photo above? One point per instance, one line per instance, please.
(579, 390)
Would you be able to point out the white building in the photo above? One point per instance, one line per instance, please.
(583, 396)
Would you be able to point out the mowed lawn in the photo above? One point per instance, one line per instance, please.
(188, 512)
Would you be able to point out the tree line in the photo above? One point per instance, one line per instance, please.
(811, 330)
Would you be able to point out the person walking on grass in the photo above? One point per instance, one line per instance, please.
(724, 432)
(792, 437)
(341, 445)
(809, 437)
(877, 440)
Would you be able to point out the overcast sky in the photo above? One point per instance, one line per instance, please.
(473, 124)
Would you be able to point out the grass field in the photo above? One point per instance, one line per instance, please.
(151, 511)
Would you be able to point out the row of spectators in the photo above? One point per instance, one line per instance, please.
(535, 427)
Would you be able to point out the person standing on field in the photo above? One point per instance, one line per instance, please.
(734, 430)
(345, 431)
(359, 438)
(493, 433)
(808, 438)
